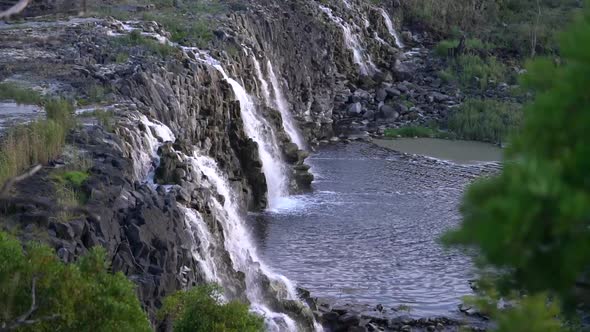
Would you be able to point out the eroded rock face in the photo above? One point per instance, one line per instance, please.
(141, 221)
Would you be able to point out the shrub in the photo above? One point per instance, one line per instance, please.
(485, 120)
(200, 310)
(75, 297)
(530, 223)
(443, 47)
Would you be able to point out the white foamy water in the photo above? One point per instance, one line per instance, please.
(391, 28)
(279, 101)
(352, 42)
(263, 82)
(258, 129)
(242, 251)
(146, 144)
(284, 107)
(202, 253)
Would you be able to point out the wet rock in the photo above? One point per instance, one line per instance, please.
(355, 109)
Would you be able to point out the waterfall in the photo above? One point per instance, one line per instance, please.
(258, 129)
(263, 82)
(242, 251)
(264, 297)
(279, 102)
(283, 107)
(352, 42)
(145, 145)
(391, 28)
(203, 253)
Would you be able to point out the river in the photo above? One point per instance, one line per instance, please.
(369, 232)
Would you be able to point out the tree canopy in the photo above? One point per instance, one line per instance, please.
(38, 292)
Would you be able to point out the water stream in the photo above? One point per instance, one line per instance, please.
(353, 43)
(284, 108)
(391, 28)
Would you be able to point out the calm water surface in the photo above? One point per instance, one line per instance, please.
(368, 233)
(463, 152)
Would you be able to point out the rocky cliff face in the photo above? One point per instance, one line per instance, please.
(171, 179)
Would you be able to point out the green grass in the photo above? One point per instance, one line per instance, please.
(473, 71)
(486, 120)
(27, 145)
(153, 47)
(417, 131)
(72, 178)
(508, 24)
(11, 91)
(38, 142)
(473, 46)
(189, 22)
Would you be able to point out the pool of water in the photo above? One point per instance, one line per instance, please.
(369, 231)
(463, 152)
(12, 114)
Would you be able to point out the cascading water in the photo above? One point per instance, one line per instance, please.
(202, 253)
(145, 145)
(236, 240)
(352, 42)
(261, 132)
(242, 251)
(279, 101)
(283, 107)
(263, 82)
(391, 28)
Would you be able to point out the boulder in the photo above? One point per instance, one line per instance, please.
(393, 92)
(380, 95)
(388, 112)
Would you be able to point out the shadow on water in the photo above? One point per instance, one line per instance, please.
(369, 232)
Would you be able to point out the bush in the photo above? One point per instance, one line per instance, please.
(531, 222)
(75, 297)
(485, 120)
(200, 310)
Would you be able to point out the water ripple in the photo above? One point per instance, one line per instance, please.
(369, 232)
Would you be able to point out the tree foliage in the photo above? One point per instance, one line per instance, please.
(63, 297)
(532, 222)
(201, 310)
